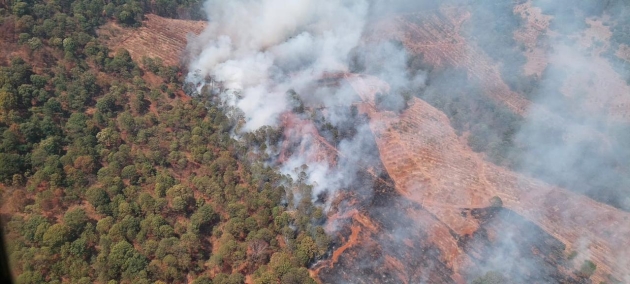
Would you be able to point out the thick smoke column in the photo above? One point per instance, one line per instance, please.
(261, 52)
(262, 49)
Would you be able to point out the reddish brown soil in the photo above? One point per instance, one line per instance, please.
(437, 37)
(536, 25)
(158, 37)
(598, 89)
(440, 172)
(302, 136)
(352, 240)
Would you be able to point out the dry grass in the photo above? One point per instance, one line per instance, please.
(158, 37)
(437, 37)
(442, 173)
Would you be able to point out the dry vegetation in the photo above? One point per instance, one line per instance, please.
(431, 165)
(438, 37)
(443, 173)
(158, 37)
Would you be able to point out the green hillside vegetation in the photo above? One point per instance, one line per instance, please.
(107, 178)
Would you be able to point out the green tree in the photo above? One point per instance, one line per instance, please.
(280, 263)
(297, 276)
(181, 197)
(8, 100)
(57, 235)
(202, 217)
(10, 164)
(124, 259)
(97, 196)
(587, 269)
(35, 43)
(76, 219)
(109, 137)
(140, 224)
(202, 280)
(126, 123)
(306, 249)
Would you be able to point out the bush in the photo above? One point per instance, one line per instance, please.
(496, 202)
(587, 269)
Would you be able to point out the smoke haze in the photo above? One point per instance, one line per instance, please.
(259, 51)
(262, 49)
(257, 54)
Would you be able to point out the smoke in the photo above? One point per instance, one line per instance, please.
(578, 147)
(282, 64)
(574, 132)
(262, 49)
(261, 52)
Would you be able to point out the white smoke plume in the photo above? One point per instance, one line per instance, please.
(259, 50)
(262, 49)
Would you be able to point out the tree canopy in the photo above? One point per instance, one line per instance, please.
(113, 179)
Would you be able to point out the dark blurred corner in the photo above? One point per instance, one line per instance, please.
(5, 273)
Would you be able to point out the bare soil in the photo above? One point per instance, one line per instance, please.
(158, 37)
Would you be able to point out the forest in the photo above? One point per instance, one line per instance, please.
(110, 174)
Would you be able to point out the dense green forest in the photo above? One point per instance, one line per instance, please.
(108, 178)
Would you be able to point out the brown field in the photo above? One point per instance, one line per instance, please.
(439, 171)
(444, 173)
(158, 37)
(437, 37)
(528, 35)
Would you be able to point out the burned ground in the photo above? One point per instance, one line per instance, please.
(440, 179)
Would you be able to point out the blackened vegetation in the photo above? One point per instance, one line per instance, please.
(522, 251)
(569, 15)
(402, 237)
(570, 19)
(491, 27)
(620, 65)
(370, 261)
(381, 60)
(586, 173)
(342, 129)
(334, 123)
(620, 27)
(422, 259)
(601, 172)
(295, 102)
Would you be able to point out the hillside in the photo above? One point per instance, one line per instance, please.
(452, 178)
(157, 38)
(507, 163)
(109, 173)
(445, 176)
